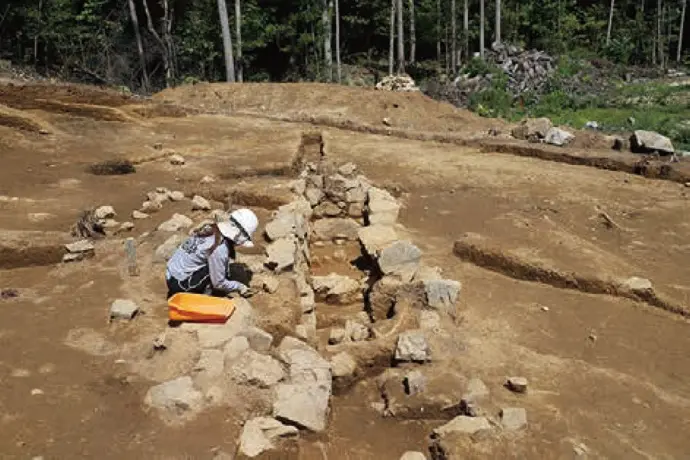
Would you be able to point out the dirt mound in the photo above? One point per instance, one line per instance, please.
(23, 121)
(302, 100)
(33, 96)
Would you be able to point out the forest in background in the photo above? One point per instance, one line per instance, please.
(146, 45)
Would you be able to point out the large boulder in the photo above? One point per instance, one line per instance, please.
(463, 425)
(175, 398)
(650, 142)
(401, 259)
(532, 129)
(381, 207)
(305, 365)
(335, 229)
(259, 435)
(336, 289)
(558, 137)
(286, 224)
(302, 404)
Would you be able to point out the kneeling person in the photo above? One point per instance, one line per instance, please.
(200, 263)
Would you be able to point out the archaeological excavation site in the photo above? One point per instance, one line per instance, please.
(426, 287)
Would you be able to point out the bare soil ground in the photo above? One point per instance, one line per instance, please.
(606, 371)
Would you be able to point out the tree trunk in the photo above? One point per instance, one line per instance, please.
(498, 21)
(227, 41)
(466, 29)
(337, 41)
(40, 8)
(401, 39)
(168, 40)
(413, 36)
(164, 47)
(391, 48)
(608, 31)
(453, 38)
(680, 34)
(438, 32)
(659, 42)
(327, 30)
(140, 45)
(238, 35)
(481, 29)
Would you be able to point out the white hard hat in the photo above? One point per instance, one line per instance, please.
(243, 223)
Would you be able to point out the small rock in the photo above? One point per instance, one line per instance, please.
(544, 308)
(442, 294)
(253, 368)
(313, 195)
(200, 203)
(412, 455)
(9, 293)
(281, 255)
(327, 209)
(532, 129)
(176, 196)
(412, 346)
(636, 284)
(67, 258)
(168, 248)
(348, 169)
(381, 207)
(104, 212)
(355, 210)
(158, 146)
(207, 180)
(414, 383)
(343, 365)
(109, 223)
(126, 227)
(175, 396)
(177, 160)
(123, 309)
(176, 223)
(376, 237)
(558, 137)
(387, 121)
(20, 373)
(337, 335)
(464, 425)
(517, 384)
(336, 289)
(513, 418)
(139, 215)
(37, 392)
(260, 433)
(80, 247)
(356, 331)
(151, 206)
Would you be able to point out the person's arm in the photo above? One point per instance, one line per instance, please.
(217, 266)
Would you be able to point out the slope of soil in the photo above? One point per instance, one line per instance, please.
(412, 111)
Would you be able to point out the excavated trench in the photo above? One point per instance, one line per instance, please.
(494, 259)
(19, 249)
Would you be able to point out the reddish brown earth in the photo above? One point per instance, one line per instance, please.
(605, 371)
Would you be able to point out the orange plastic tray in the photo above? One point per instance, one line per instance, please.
(185, 306)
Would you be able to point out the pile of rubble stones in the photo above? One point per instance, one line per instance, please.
(403, 83)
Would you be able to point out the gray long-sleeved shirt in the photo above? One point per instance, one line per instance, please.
(193, 255)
